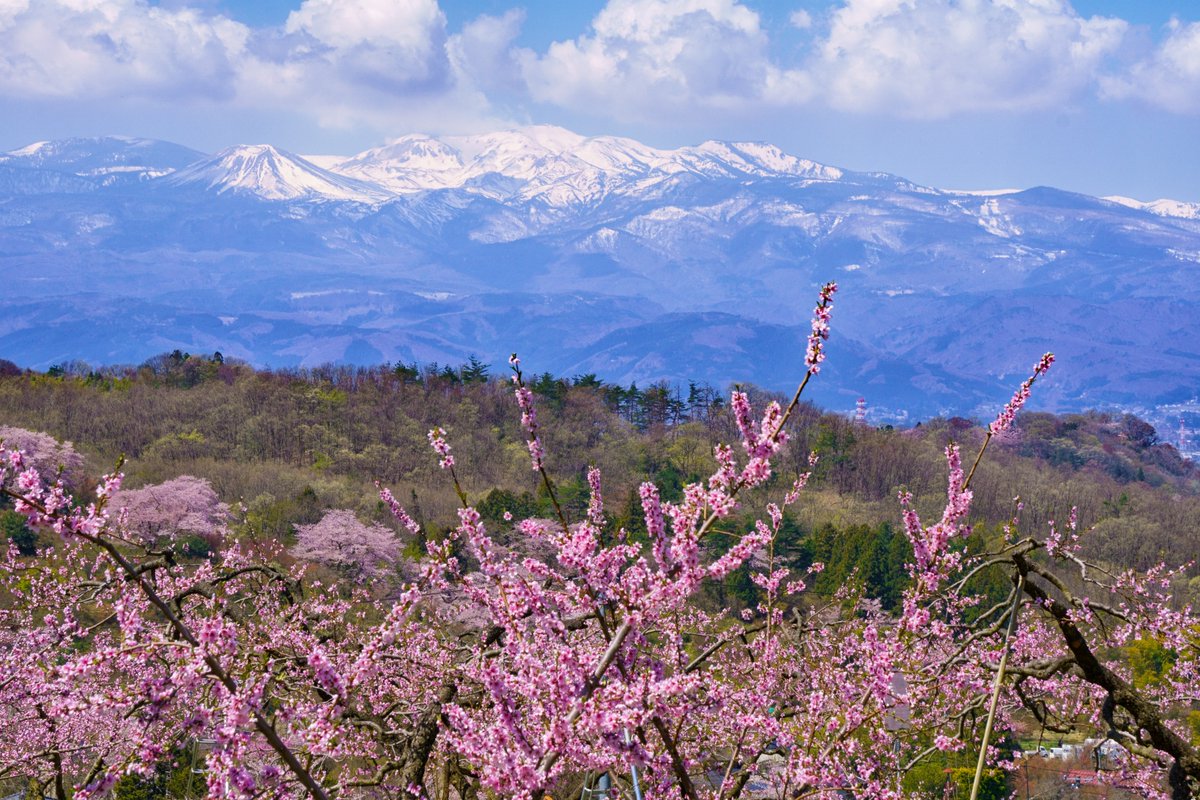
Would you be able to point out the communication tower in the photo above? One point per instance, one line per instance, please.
(860, 411)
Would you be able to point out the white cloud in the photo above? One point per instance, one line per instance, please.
(484, 50)
(1169, 77)
(89, 48)
(343, 62)
(346, 24)
(801, 19)
(644, 57)
(914, 58)
(379, 44)
(934, 58)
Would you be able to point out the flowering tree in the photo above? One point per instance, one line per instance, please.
(512, 674)
(340, 541)
(44, 452)
(169, 511)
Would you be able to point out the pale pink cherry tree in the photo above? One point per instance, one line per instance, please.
(162, 513)
(45, 453)
(339, 540)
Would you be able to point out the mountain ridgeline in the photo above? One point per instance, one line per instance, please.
(597, 255)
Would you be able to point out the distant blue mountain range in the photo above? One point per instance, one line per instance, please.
(596, 255)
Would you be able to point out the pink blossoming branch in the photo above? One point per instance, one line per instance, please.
(676, 559)
(1004, 420)
(625, 604)
(1066, 669)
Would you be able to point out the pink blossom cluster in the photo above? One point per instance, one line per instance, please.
(820, 329)
(767, 437)
(49, 504)
(595, 512)
(437, 440)
(934, 560)
(397, 510)
(1064, 542)
(45, 453)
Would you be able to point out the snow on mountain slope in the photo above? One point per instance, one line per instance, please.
(409, 164)
(105, 159)
(325, 162)
(272, 174)
(559, 168)
(18, 181)
(727, 159)
(1163, 207)
(995, 221)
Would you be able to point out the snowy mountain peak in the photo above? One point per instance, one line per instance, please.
(272, 174)
(751, 158)
(771, 158)
(408, 164)
(415, 151)
(530, 140)
(521, 153)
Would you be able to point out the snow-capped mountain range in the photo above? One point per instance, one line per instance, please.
(595, 254)
(552, 166)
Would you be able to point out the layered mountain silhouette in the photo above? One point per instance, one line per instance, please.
(598, 255)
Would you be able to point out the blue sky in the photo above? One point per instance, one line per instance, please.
(1098, 96)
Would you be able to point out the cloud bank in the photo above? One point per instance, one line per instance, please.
(645, 56)
(345, 62)
(395, 63)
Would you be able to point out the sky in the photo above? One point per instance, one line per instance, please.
(1096, 96)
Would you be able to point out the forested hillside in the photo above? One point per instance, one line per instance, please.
(281, 448)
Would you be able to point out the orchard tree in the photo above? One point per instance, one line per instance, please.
(502, 674)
